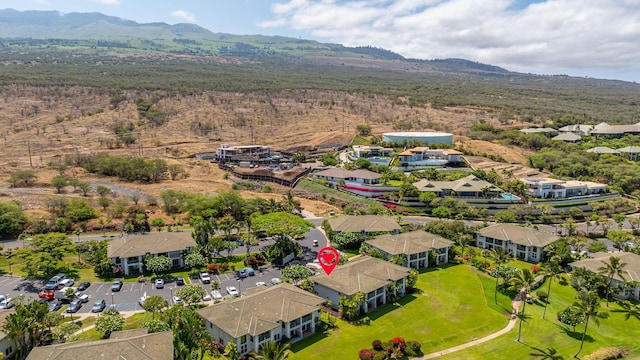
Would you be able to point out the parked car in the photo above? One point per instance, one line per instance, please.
(47, 294)
(142, 299)
(84, 286)
(176, 300)
(249, 271)
(216, 295)
(206, 297)
(75, 305)
(82, 297)
(55, 282)
(179, 280)
(205, 278)
(315, 242)
(55, 305)
(117, 285)
(241, 273)
(67, 283)
(6, 303)
(98, 306)
(275, 281)
(159, 284)
(231, 290)
(261, 283)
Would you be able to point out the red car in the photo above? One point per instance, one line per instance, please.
(46, 294)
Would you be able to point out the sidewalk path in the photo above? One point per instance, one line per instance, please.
(125, 314)
(515, 304)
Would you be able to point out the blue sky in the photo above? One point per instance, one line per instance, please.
(594, 38)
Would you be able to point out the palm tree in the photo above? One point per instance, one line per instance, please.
(588, 305)
(522, 282)
(463, 240)
(485, 254)
(499, 256)
(550, 271)
(610, 269)
(272, 351)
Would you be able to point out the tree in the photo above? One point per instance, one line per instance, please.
(505, 216)
(329, 159)
(155, 326)
(84, 186)
(619, 219)
(464, 240)
(550, 270)
(24, 177)
(175, 170)
(427, 197)
(64, 330)
(157, 223)
(43, 252)
(158, 264)
(364, 129)
(588, 306)
(500, 257)
(154, 304)
(350, 306)
(412, 279)
(570, 225)
(347, 240)
(194, 260)
(231, 351)
(282, 224)
(610, 269)
(296, 272)
(59, 182)
(619, 238)
(12, 219)
(109, 322)
(104, 202)
(26, 327)
(191, 294)
(229, 246)
(103, 190)
(523, 282)
(271, 351)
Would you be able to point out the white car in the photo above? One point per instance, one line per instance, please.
(6, 303)
(206, 297)
(67, 283)
(216, 295)
(231, 290)
(275, 281)
(177, 300)
(261, 283)
(82, 297)
(142, 298)
(205, 278)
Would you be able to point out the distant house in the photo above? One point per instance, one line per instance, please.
(547, 188)
(361, 182)
(263, 316)
(366, 274)
(6, 344)
(603, 150)
(364, 151)
(364, 224)
(414, 246)
(133, 344)
(567, 137)
(522, 242)
(583, 129)
(426, 157)
(631, 152)
(469, 186)
(243, 152)
(128, 253)
(631, 271)
(616, 131)
(539, 131)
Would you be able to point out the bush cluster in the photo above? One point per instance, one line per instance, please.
(396, 348)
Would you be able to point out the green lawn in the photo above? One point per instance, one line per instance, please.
(451, 309)
(550, 339)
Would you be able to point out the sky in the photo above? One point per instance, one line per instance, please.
(586, 38)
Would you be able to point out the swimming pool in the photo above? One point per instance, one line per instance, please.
(509, 196)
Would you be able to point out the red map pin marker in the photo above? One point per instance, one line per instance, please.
(328, 258)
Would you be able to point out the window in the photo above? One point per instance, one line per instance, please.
(243, 339)
(264, 336)
(306, 318)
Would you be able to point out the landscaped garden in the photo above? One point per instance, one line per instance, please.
(450, 309)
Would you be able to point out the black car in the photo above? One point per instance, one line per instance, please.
(179, 280)
(117, 285)
(55, 305)
(83, 286)
(74, 306)
(99, 306)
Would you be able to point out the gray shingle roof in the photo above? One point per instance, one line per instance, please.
(408, 243)
(603, 150)
(519, 235)
(630, 149)
(567, 137)
(260, 311)
(367, 223)
(156, 346)
(631, 270)
(364, 274)
(153, 243)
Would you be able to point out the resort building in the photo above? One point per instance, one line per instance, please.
(366, 274)
(567, 137)
(414, 246)
(546, 188)
(426, 157)
(128, 252)
(364, 224)
(583, 129)
(616, 131)
(603, 150)
(467, 187)
(245, 152)
(264, 316)
(361, 182)
(629, 284)
(522, 242)
(630, 152)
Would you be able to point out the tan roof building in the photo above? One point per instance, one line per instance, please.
(347, 175)
(127, 253)
(156, 346)
(268, 315)
(366, 274)
(469, 186)
(415, 246)
(631, 270)
(364, 224)
(522, 242)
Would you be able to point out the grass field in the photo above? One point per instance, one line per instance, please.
(447, 312)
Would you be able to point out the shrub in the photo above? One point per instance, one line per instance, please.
(213, 268)
(365, 354)
(377, 345)
(380, 356)
(542, 295)
(608, 353)
(416, 346)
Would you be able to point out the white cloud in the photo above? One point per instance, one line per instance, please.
(184, 16)
(109, 2)
(541, 37)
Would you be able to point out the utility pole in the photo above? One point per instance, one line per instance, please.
(29, 149)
